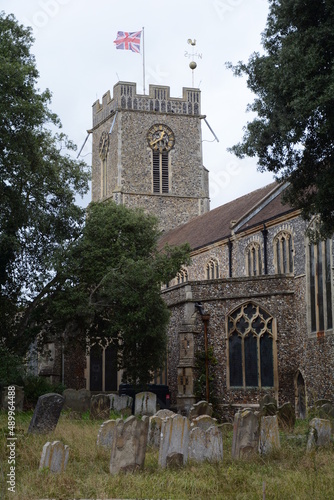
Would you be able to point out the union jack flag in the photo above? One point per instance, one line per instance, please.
(128, 40)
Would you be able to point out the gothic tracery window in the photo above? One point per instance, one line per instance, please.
(253, 259)
(283, 253)
(182, 276)
(212, 269)
(251, 344)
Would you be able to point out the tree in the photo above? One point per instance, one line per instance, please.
(38, 183)
(111, 288)
(293, 133)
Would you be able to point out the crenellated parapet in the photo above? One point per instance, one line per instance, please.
(158, 100)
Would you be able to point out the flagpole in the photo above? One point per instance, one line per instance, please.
(143, 61)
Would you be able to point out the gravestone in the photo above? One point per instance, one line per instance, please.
(154, 431)
(164, 413)
(286, 417)
(100, 407)
(106, 434)
(146, 403)
(174, 440)
(129, 444)
(269, 435)
(121, 404)
(46, 414)
(200, 408)
(319, 434)
(77, 401)
(205, 444)
(268, 409)
(327, 410)
(245, 434)
(17, 396)
(267, 399)
(54, 456)
(204, 422)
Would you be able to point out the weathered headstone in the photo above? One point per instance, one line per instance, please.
(77, 401)
(245, 434)
(154, 431)
(320, 433)
(206, 444)
(129, 444)
(319, 402)
(146, 403)
(327, 410)
(200, 408)
(17, 396)
(267, 399)
(286, 417)
(174, 440)
(121, 404)
(204, 422)
(268, 409)
(54, 456)
(164, 413)
(100, 407)
(269, 435)
(46, 414)
(106, 434)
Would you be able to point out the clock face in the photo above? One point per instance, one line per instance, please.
(160, 138)
(104, 145)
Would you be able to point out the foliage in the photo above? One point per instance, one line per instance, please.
(38, 184)
(111, 288)
(11, 367)
(293, 132)
(35, 386)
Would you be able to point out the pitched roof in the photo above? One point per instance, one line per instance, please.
(251, 209)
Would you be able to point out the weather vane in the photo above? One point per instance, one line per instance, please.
(192, 64)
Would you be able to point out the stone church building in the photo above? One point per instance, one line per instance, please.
(257, 290)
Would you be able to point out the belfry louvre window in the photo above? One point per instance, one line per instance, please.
(283, 253)
(160, 172)
(251, 347)
(320, 287)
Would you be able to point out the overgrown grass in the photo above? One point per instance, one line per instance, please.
(289, 473)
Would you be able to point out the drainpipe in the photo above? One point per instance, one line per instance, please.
(230, 247)
(265, 250)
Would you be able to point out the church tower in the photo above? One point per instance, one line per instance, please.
(147, 152)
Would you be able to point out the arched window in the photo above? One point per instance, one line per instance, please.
(251, 347)
(182, 276)
(283, 253)
(253, 259)
(212, 269)
(320, 286)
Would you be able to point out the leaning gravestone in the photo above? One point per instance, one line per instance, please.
(269, 435)
(121, 404)
(129, 444)
(77, 401)
(46, 414)
(174, 441)
(145, 403)
(100, 407)
(286, 417)
(19, 397)
(200, 408)
(54, 456)
(320, 433)
(106, 434)
(206, 444)
(164, 413)
(245, 434)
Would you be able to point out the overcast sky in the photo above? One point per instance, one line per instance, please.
(77, 60)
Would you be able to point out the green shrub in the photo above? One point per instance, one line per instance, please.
(34, 387)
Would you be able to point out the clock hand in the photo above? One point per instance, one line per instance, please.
(159, 138)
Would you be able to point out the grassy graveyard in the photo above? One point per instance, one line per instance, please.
(288, 473)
